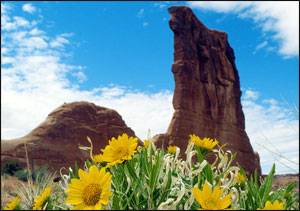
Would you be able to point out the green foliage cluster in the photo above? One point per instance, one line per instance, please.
(23, 174)
(10, 168)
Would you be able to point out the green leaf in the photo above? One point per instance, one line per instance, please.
(129, 199)
(76, 170)
(290, 187)
(88, 164)
(199, 154)
(71, 174)
(266, 187)
(166, 189)
(155, 170)
(133, 174)
(209, 173)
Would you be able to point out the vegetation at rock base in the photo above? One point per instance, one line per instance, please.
(146, 177)
(10, 168)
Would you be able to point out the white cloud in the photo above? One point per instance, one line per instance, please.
(140, 13)
(260, 46)
(6, 24)
(36, 31)
(271, 121)
(28, 8)
(7, 60)
(220, 6)
(4, 50)
(5, 7)
(249, 94)
(145, 24)
(80, 76)
(160, 5)
(59, 42)
(281, 19)
(35, 42)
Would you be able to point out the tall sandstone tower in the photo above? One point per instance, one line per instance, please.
(207, 96)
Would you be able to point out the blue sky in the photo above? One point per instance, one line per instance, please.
(119, 55)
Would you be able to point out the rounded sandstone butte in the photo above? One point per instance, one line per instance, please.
(207, 89)
(56, 140)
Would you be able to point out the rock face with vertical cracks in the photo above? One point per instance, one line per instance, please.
(207, 90)
(56, 140)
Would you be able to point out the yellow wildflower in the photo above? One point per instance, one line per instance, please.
(172, 149)
(205, 143)
(117, 150)
(275, 206)
(42, 199)
(14, 205)
(146, 143)
(240, 178)
(90, 192)
(211, 200)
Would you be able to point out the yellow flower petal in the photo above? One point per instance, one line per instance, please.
(83, 176)
(75, 200)
(205, 143)
(226, 200)
(217, 193)
(197, 194)
(146, 143)
(79, 207)
(211, 200)
(98, 206)
(94, 189)
(172, 149)
(74, 192)
(13, 205)
(41, 200)
(118, 150)
(275, 206)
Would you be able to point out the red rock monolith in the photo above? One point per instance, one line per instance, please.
(207, 89)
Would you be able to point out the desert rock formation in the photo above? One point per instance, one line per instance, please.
(57, 139)
(207, 89)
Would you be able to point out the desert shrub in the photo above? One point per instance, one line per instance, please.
(27, 193)
(42, 171)
(10, 168)
(23, 174)
(5, 175)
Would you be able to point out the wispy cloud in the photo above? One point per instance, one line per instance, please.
(270, 123)
(280, 19)
(28, 8)
(260, 46)
(80, 76)
(5, 7)
(140, 13)
(160, 4)
(8, 24)
(36, 31)
(59, 41)
(251, 95)
(145, 24)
